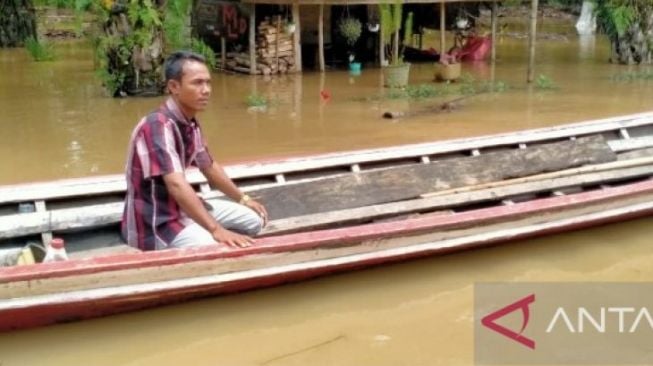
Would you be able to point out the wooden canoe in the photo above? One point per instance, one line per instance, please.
(330, 213)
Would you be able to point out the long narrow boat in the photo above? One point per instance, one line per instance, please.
(330, 213)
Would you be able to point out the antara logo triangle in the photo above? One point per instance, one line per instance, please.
(490, 321)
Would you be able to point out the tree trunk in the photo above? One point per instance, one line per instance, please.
(132, 68)
(635, 46)
(17, 22)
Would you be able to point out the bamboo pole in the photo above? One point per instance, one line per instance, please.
(320, 37)
(531, 42)
(297, 37)
(252, 39)
(493, 57)
(443, 28)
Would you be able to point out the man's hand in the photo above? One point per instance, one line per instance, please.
(232, 239)
(259, 209)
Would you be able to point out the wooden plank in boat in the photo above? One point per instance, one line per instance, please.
(631, 144)
(361, 189)
(635, 154)
(452, 200)
(395, 184)
(111, 213)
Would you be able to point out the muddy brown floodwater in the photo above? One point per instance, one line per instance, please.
(56, 123)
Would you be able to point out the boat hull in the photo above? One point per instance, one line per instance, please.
(294, 257)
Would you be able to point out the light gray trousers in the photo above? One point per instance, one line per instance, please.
(230, 215)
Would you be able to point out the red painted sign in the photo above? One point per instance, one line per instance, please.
(216, 18)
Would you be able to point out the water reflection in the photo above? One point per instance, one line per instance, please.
(586, 46)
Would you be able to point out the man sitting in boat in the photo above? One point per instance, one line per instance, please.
(162, 210)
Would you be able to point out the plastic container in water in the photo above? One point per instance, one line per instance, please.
(355, 68)
(56, 251)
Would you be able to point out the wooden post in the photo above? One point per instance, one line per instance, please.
(296, 37)
(223, 52)
(276, 42)
(494, 31)
(531, 42)
(252, 39)
(381, 47)
(443, 29)
(320, 37)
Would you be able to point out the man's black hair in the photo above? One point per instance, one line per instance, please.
(174, 64)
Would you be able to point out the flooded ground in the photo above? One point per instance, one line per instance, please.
(57, 124)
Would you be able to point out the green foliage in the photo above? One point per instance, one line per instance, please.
(144, 14)
(387, 23)
(113, 82)
(350, 28)
(408, 29)
(467, 84)
(390, 17)
(544, 82)
(415, 92)
(498, 86)
(197, 45)
(65, 4)
(616, 16)
(628, 25)
(256, 101)
(39, 50)
(61, 4)
(423, 91)
(174, 26)
(113, 58)
(133, 38)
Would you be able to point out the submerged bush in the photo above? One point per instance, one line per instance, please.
(39, 50)
(544, 82)
(256, 100)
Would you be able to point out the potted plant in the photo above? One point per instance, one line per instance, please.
(290, 27)
(397, 71)
(449, 68)
(351, 28)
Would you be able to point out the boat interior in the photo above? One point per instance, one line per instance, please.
(344, 189)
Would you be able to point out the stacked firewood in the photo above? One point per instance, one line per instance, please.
(275, 53)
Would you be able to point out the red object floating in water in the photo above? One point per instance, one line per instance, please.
(325, 95)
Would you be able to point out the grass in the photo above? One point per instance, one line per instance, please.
(467, 85)
(39, 50)
(415, 92)
(256, 101)
(631, 76)
(70, 4)
(544, 82)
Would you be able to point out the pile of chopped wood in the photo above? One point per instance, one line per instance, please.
(275, 53)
